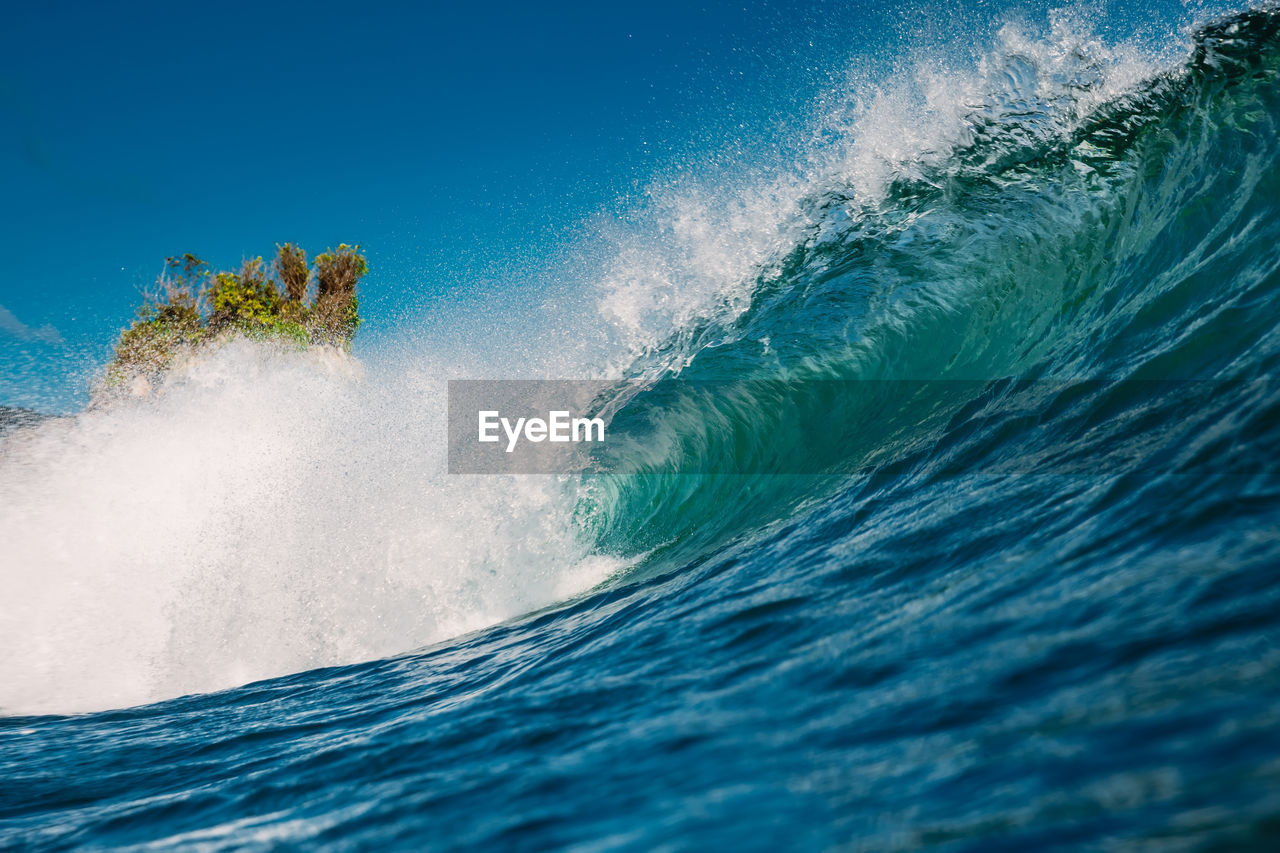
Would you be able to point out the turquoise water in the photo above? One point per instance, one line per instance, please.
(1021, 595)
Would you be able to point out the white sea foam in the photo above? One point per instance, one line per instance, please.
(268, 513)
(698, 243)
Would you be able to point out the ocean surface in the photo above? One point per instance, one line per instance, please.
(1022, 591)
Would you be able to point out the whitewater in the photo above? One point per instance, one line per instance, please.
(1020, 594)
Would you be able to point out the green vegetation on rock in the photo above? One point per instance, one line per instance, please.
(196, 306)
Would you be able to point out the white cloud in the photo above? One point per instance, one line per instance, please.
(11, 325)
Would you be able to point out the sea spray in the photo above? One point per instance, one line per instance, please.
(271, 511)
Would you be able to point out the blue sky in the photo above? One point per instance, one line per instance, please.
(432, 135)
(454, 143)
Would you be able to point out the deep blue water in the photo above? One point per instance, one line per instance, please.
(1028, 603)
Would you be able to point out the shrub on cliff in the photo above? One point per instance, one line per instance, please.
(194, 306)
(335, 315)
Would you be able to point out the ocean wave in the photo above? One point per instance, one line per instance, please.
(1068, 209)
